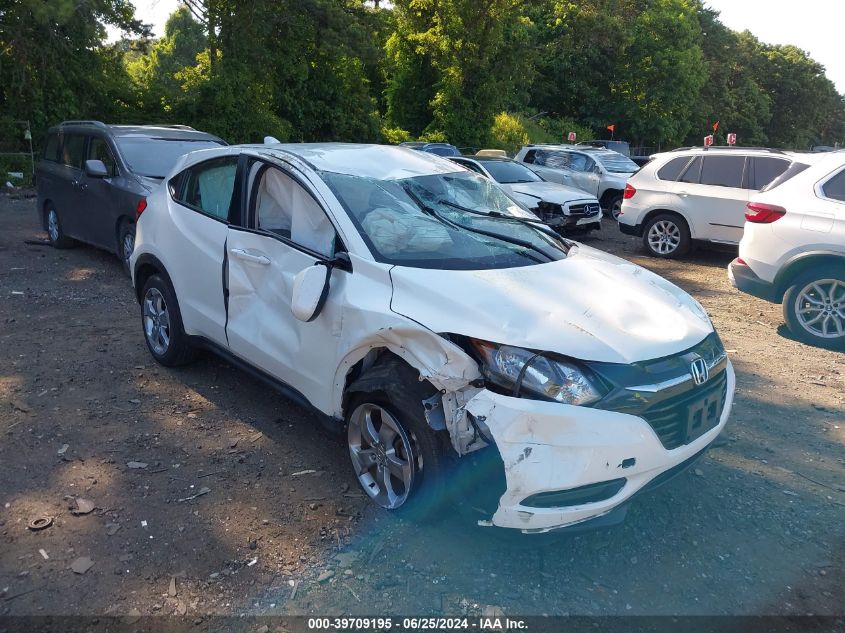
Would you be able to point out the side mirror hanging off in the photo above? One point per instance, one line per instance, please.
(311, 288)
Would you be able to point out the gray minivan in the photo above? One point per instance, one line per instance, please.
(93, 179)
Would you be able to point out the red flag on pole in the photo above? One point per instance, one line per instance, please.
(612, 128)
(715, 126)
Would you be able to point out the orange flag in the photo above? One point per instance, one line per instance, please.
(612, 128)
(715, 126)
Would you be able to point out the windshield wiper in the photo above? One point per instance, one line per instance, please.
(497, 215)
(504, 238)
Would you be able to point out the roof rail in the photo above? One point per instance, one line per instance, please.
(174, 126)
(734, 147)
(84, 122)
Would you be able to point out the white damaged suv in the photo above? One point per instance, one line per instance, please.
(412, 304)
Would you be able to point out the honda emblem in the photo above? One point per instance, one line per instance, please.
(699, 370)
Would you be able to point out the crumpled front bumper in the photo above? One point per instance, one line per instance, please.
(547, 447)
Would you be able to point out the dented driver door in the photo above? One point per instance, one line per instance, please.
(286, 232)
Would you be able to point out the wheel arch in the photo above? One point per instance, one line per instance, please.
(608, 195)
(800, 264)
(654, 212)
(118, 225)
(145, 267)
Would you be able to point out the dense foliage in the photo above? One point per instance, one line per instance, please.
(474, 72)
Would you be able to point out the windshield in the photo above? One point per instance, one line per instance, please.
(509, 172)
(458, 221)
(155, 157)
(616, 163)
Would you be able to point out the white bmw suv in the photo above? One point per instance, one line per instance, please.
(413, 305)
(695, 194)
(793, 249)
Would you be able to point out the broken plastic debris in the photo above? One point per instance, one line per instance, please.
(252, 562)
(303, 472)
(136, 464)
(203, 491)
(44, 554)
(63, 449)
(83, 506)
(82, 564)
(143, 524)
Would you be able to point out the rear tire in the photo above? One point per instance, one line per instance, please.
(55, 234)
(398, 459)
(614, 207)
(814, 307)
(666, 235)
(126, 245)
(161, 322)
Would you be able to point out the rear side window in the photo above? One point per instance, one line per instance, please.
(73, 148)
(835, 187)
(766, 170)
(529, 156)
(51, 149)
(470, 166)
(555, 160)
(673, 169)
(98, 149)
(693, 171)
(579, 162)
(208, 187)
(723, 171)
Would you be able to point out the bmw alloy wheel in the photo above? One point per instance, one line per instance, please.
(820, 308)
(664, 237)
(156, 321)
(381, 454)
(128, 245)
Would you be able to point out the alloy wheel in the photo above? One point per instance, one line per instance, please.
(381, 454)
(616, 209)
(664, 237)
(128, 246)
(820, 308)
(53, 225)
(156, 321)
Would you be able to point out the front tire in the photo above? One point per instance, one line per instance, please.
(667, 236)
(398, 459)
(162, 324)
(814, 307)
(55, 233)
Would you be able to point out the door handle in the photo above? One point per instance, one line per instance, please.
(250, 257)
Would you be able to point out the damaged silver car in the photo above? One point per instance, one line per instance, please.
(460, 345)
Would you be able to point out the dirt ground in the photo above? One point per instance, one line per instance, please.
(245, 507)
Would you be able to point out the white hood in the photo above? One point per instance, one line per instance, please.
(547, 191)
(591, 306)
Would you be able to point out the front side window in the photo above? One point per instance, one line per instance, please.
(208, 187)
(73, 148)
(285, 208)
(579, 162)
(98, 149)
(555, 160)
(457, 221)
(835, 187)
(723, 171)
(155, 157)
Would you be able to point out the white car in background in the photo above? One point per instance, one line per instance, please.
(561, 207)
(415, 307)
(600, 172)
(696, 194)
(793, 249)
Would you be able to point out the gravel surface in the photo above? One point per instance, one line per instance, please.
(204, 501)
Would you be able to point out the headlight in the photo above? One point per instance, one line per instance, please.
(556, 380)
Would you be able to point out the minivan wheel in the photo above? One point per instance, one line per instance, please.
(814, 307)
(395, 455)
(126, 244)
(162, 324)
(54, 229)
(667, 236)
